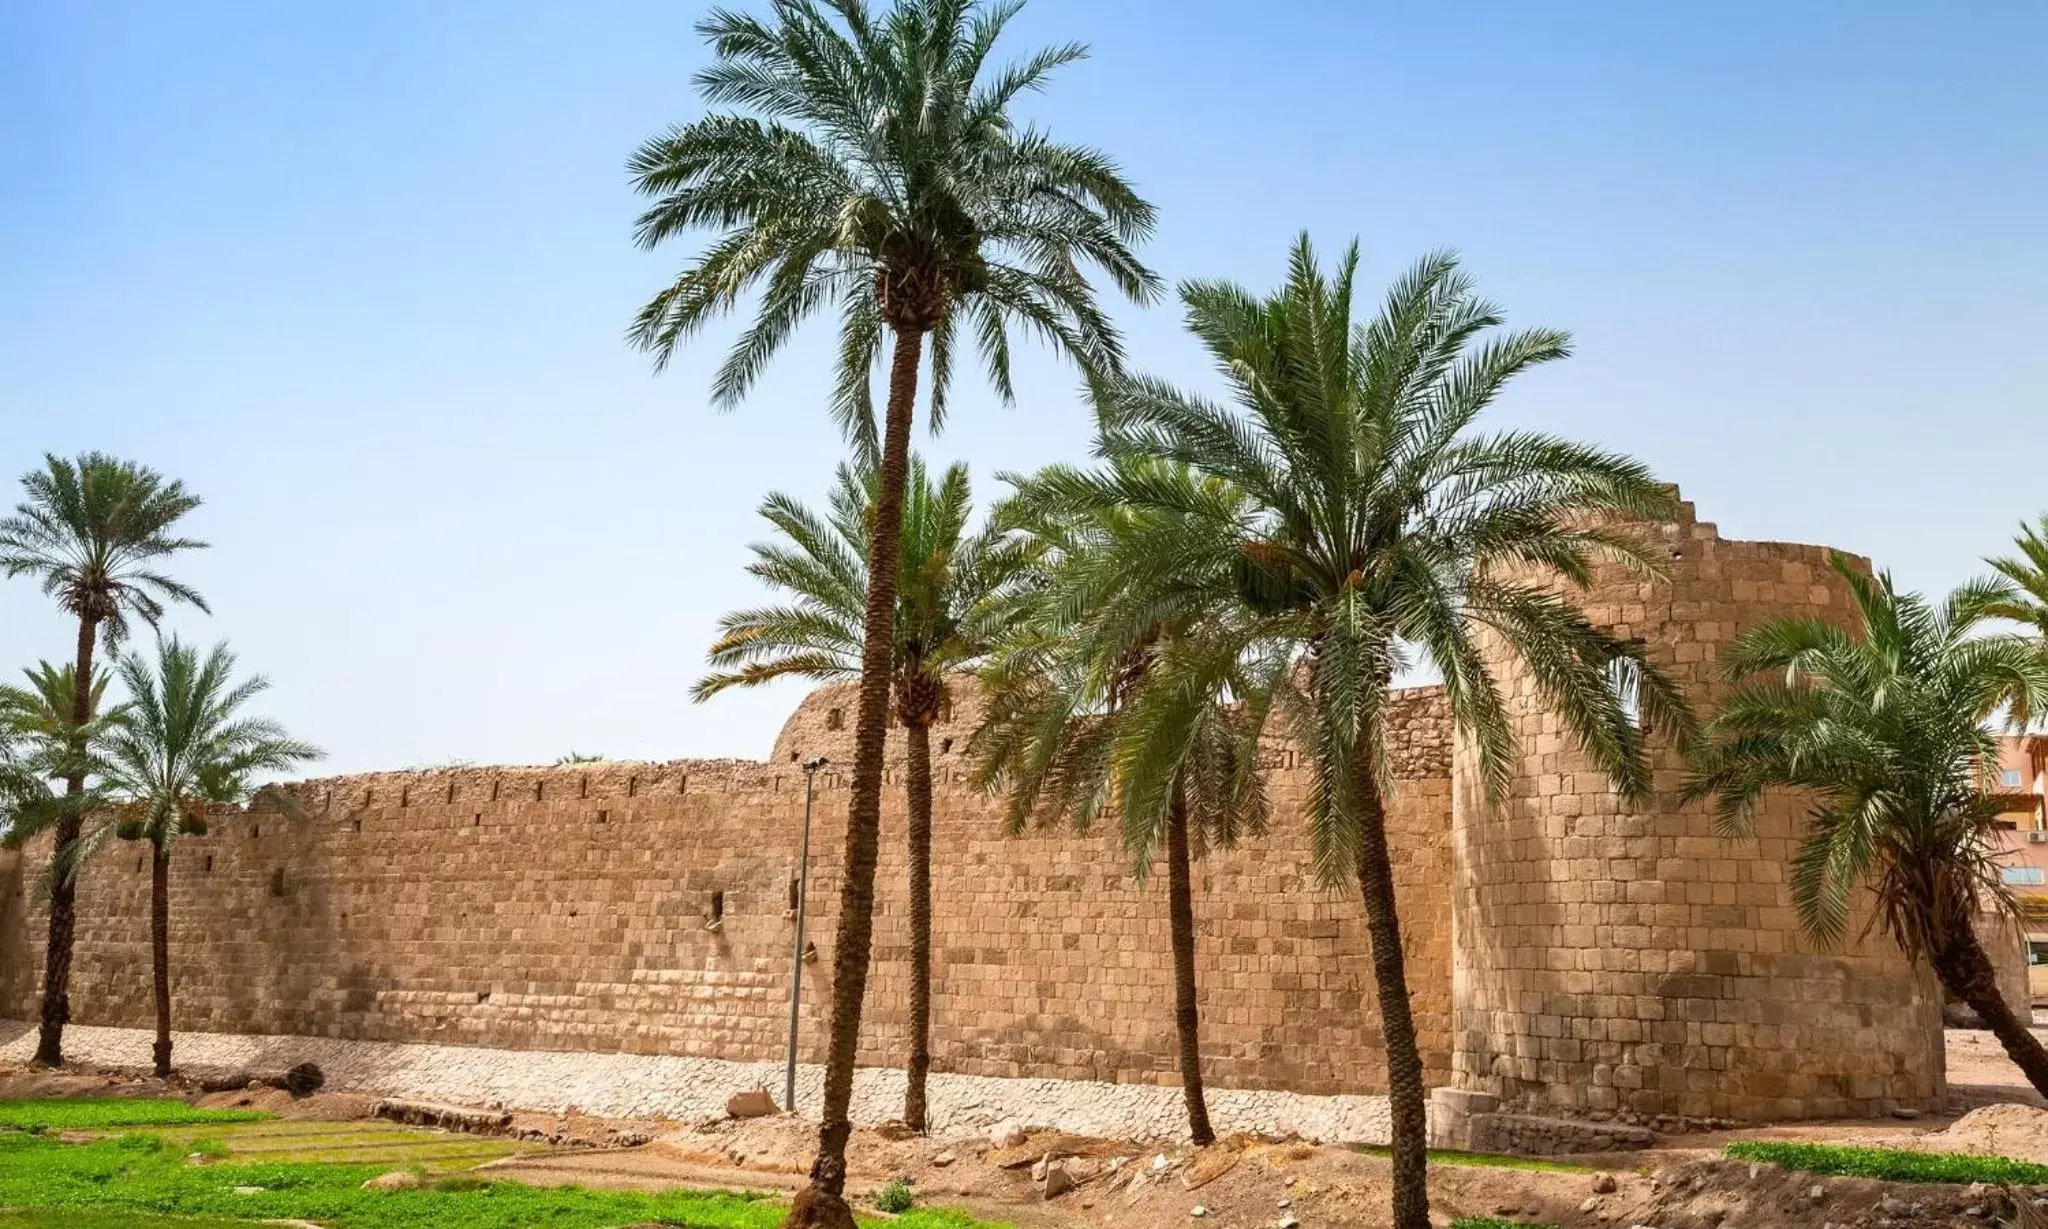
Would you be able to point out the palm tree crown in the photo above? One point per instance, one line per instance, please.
(183, 744)
(92, 531)
(882, 175)
(1371, 528)
(1099, 702)
(41, 744)
(2027, 573)
(1886, 725)
(948, 584)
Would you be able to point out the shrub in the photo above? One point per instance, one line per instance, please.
(1495, 1222)
(895, 1197)
(1889, 1164)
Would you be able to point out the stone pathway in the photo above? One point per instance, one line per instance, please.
(683, 1089)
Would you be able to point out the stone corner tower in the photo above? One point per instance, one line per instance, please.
(1617, 959)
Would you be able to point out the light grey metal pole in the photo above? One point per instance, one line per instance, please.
(796, 964)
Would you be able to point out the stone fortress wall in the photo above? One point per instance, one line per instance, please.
(569, 908)
(1566, 952)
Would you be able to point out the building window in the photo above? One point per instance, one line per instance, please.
(835, 718)
(2009, 779)
(2024, 876)
(1625, 680)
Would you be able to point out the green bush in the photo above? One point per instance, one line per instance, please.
(1889, 1164)
(896, 1197)
(1495, 1222)
(100, 1113)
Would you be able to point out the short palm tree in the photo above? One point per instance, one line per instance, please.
(180, 747)
(94, 533)
(1883, 728)
(1378, 529)
(947, 615)
(2027, 574)
(40, 744)
(1096, 707)
(880, 175)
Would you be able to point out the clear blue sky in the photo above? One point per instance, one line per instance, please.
(358, 274)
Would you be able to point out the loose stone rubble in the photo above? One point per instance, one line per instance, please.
(685, 1089)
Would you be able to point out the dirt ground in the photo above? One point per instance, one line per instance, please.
(1246, 1182)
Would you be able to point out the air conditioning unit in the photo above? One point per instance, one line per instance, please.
(2037, 838)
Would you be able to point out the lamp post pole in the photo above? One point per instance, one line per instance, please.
(796, 963)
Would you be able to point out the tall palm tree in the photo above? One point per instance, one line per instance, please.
(1379, 530)
(2027, 574)
(180, 747)
(1885, 728)
(947, 615)
(93, 532)
(1095, 706)
(880, 174)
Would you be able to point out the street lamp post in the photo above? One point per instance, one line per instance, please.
(796, 964)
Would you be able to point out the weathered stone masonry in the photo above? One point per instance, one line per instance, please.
(569, 908)
(1565, 951)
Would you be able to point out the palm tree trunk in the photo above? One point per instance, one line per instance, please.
(1409, 1116)
(1968, 974)
(1180, 907)
(822, 1203)
(918, 737)
(160, 950)
(64, 881)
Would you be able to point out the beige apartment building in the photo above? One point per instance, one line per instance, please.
(2021, 785)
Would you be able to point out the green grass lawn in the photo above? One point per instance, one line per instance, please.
(347, 1143)
(103, 1113)
(73, 1219)
(1890, 1164)
(144, 1181)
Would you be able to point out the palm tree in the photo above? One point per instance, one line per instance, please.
(181, 747)
(881, 174)
(1378, 530)
(2027, 573)
(1095, 706)
(94, 532)
(40, 744)
(946, 618)
(1884, 727)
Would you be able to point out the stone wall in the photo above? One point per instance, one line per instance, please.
(2006, 944)
(570, 908)
(1621, 959)
(1569, 952)
(17, 972)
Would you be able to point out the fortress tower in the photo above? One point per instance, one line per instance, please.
(1609, 958)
